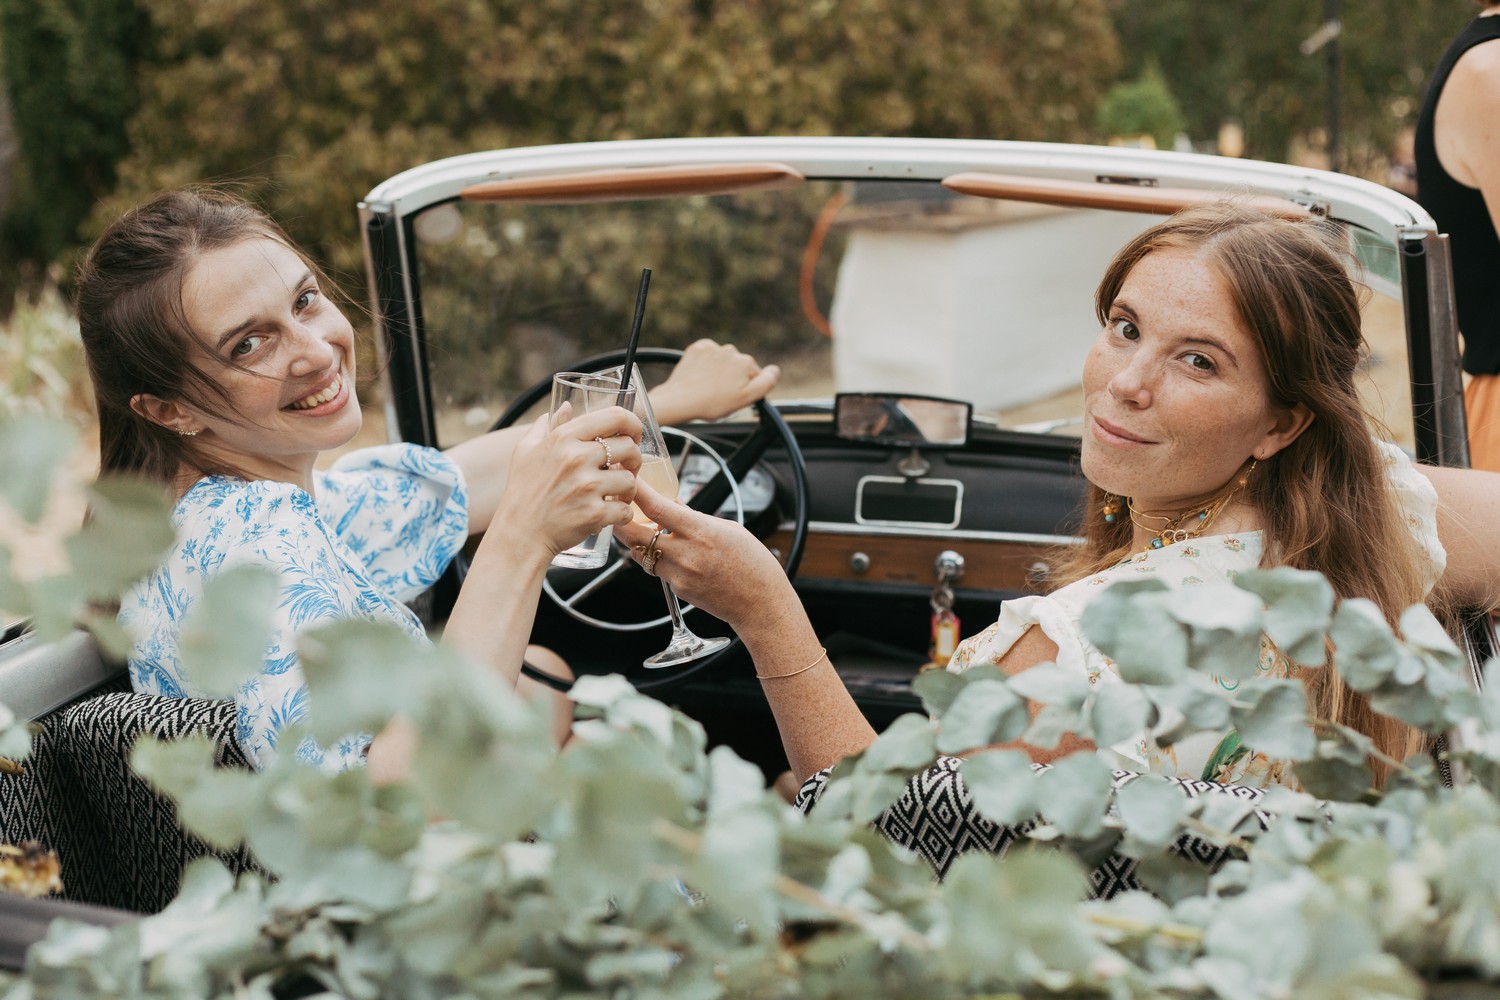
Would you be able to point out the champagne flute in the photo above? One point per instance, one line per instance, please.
(657, 469)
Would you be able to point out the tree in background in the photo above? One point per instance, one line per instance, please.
(1144, 106)
(70, 69)
(308, 105)
(1242, 61)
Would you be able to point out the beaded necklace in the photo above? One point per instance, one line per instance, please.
(1180, 527)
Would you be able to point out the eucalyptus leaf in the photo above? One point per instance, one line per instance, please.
(361, 673)
(1116, 713)
(1271, 716)
(1132, 623)
(127, 533)
(938, 689)
(985, 712)
(1052, 684)
(1367, 650)
(32, 449)
(226, 631)
(1299, 610)
(214, 803)
(905, 747)
(1073, 794)
(1051, 724)
(1003, 785)
(1152, 810)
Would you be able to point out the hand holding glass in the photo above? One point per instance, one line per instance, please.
(573, 395)
(657, 469)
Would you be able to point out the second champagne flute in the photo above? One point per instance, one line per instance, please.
(657, 469)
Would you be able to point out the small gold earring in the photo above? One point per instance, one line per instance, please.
(187, 434)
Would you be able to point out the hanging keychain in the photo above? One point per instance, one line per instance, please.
(944, 622)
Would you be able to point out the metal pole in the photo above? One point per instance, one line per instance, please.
(1335, 127)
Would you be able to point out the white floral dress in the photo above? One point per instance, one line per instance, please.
(1205, 756)
(385, 524)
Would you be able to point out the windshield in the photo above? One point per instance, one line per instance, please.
(868, 286)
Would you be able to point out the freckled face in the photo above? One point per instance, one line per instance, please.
(1175, 392)
(290, 359)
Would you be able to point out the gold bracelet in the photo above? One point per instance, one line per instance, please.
(776, 677)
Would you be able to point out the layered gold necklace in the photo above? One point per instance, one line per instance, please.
(1190, 523)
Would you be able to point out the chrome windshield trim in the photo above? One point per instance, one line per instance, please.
(953, 534)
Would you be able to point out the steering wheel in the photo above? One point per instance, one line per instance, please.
(619, 571)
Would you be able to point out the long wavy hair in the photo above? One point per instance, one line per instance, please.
(1325, 499)
(135, 330)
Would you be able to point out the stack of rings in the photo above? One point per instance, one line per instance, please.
(609, 458)
(649, 553)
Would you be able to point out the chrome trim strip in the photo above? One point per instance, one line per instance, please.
(1352, 199)
(859, 501)
(927, 531)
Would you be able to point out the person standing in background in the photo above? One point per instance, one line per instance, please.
(1458, 182)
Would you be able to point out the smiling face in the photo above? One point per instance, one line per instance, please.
(1176, 393)
(283, 353)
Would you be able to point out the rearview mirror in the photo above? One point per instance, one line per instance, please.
(913, 421)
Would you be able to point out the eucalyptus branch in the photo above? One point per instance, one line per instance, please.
(1178, 933)
(687, 840)
(1328, 726)
(1201, 828)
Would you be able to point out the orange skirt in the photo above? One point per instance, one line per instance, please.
(1482, 408)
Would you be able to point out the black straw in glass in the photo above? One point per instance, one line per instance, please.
(635, 332)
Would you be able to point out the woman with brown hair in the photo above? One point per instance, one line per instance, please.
(223, 368)
(1222, 432)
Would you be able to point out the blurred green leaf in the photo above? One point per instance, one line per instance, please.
(1271, 716)
(1367, 650)
(127, 532)
(226, 631)
(985, 712)
(1051, 684)
(905, 746)
(1152, 810)
(1299, 610)
(32, 448)
(361, 673)
(1003, 785)
(937, 689)
(1118, 712)
(1133, 624)
(1073, 794)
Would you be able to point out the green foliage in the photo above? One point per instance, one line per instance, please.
(69, 68)
(657, 868)
(41, 355)
(1144, 106)
(1242, 62)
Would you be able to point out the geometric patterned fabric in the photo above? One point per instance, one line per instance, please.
(935, 817)
(117, 841)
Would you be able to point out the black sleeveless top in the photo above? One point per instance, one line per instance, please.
(1460, 211)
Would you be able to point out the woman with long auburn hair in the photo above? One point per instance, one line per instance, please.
(1223, 432)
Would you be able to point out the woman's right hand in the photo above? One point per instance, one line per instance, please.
(713, 563)
(559, 491)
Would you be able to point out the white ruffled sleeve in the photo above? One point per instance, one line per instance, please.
(1418, 502)
(403, 509)
(1016, 616)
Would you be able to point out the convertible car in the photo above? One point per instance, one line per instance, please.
(929, 302)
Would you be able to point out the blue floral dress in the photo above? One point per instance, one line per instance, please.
(385, 524)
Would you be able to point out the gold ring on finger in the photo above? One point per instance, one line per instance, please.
(608, 455)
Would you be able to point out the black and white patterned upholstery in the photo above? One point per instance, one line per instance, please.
(117, 841)
(936, 818)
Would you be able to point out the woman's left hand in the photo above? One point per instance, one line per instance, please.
(711, 381)
(711, 562)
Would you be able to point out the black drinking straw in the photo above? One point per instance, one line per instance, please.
(635, 333)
